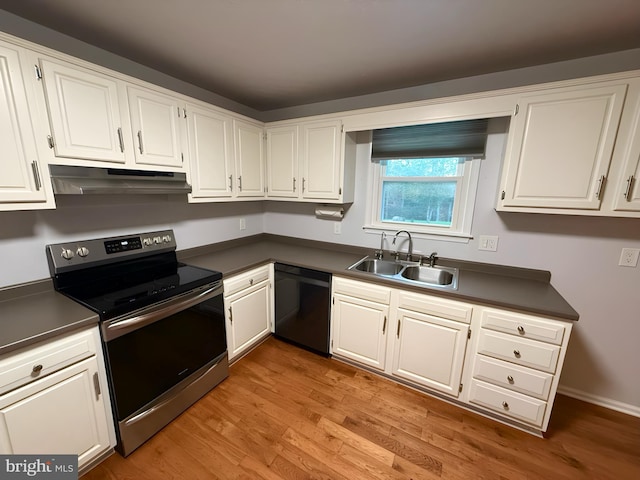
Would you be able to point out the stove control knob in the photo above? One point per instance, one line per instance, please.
(82, 251)
(146, 241)
(166, 238)
(67, 254)
(157, 240)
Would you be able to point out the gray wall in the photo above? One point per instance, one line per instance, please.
(581, 252)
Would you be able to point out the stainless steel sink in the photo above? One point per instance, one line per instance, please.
(431, 275)
(409, 272)
(379, 267)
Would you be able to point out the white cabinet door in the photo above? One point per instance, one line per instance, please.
(430, 350)
(20, 173)
(628, 191)
(321, 160)
(210, 151)
(359, 330)
(156, 122)
(560, 147)
(282, 162)
(84, 113)
(249, 151)
(248, 316)
(62, 413)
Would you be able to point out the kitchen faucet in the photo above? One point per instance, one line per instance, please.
(380, 253)
(410, 250)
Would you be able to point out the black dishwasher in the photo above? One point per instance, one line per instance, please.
(302, 299)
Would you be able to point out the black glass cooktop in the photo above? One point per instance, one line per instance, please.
(117, 289)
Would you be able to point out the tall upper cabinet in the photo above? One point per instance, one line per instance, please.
(574, 150)
(22, 173)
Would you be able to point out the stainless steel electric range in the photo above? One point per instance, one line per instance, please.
(161, 321)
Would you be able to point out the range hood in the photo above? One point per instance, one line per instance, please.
(91, 180)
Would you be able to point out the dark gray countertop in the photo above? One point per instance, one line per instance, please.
(34, 312)
(507, 287)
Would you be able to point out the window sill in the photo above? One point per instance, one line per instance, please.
(448, 236)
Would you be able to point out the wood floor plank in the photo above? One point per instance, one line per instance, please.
(285, 413)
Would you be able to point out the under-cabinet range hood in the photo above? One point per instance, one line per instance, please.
(91, 180)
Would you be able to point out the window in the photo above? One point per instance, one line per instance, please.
(430, 194)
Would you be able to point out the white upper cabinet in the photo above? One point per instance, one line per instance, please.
(560, 147)
(211, 150)
(84, 113)
(321, 160)
(157, 124)
(311, 161)
(22, 176)
(249, 156)
(282, 162)
(627, 194)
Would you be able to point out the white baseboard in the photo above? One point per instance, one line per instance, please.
(601, 401)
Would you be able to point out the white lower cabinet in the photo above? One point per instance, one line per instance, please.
(248, 309)
(502, 363)
(360, 330)
(430, 350)
(515, 365)
(55, 399)
(425, 337)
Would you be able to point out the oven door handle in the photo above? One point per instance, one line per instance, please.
(116, 328)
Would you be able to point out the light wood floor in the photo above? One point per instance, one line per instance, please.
(284, 413)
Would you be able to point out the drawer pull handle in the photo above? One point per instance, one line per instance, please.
(510, 379)
(36, 369)
(505, 405)
(251, 281)
(516, 353)
(520, 329)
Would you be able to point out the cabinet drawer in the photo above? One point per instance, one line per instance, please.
(523, 326)
(365, 291)
(529, 353)
(511, 404)
(513, 377)
(245, 280)
(37, 361)
(440, 307)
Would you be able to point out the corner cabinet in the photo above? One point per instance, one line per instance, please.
(248, 309)
(500, 363)
(23, 177)
(54, 387)
(311, 161)
(574, 150)
(210, 137)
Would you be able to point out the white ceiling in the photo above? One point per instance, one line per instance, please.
(269, 54)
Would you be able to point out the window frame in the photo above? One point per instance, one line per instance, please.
(464, 204)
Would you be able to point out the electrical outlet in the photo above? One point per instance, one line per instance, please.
(243, 224)
(337, 228)
(629, 257)
(488, 243)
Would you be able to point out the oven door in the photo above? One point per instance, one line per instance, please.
(163, 359)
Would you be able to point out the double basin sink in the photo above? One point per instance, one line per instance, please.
(409, 272)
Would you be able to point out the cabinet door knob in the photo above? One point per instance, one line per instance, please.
(510, 379)
(516, 353)
(36, 369)
(505, 405)
(520, 329)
